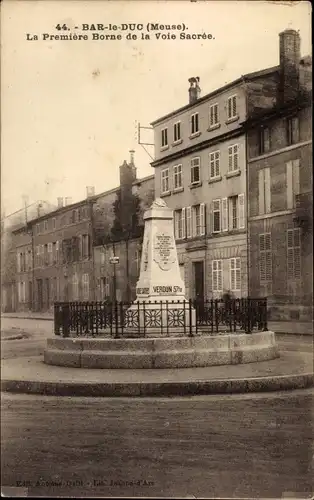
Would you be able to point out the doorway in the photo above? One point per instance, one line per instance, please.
(198, 276)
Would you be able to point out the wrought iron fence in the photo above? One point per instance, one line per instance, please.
(161, 318)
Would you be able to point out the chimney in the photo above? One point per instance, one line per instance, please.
(90, 191)
(132, 156)
(60, 202)
(290, 55)
(68, 201)
(194, 90)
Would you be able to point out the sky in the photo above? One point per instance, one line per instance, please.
(69, 109)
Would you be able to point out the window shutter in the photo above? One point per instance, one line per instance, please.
(214, 276)
(297, 263)
(261, 192)
(241, 211)
(232, 274)
(176, 224)
(289, 183)
(267, 190)
(224, 215)
(188, 222)
(296, 178)
(202, 219)
(183, 223)
(230, 161)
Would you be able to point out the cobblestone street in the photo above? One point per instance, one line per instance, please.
(226, 446)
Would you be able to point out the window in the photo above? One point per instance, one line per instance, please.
(217, 276)
(233, 164)
(292, 130)
(179, 224)
(102, 257)
(213, 115)
(198, 220)
(233, 204)
(264, 140)
(293, 254)
(177, 177)
(292, 182)
(45, 225)
(85, 246)
(177, 132)
(195, 170)
(232, 107)
(164, 137)
(265, 258)
(46, 255)
(236, 212)
(50, 255)
(75, 287)
(216, 216)
(104, 287)
(37, 228)
(194, 124)
(53, 223)
(29, 259)
(21, 291)
(214, 164)
(165, 188)
(18, 260)
(54, 253)
(85, 286)
(264, 191)
(235, 274)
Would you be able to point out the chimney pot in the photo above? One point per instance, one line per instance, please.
(90, 191)
(131, 156)
(68, 201)
(60, 202)
(194, 90)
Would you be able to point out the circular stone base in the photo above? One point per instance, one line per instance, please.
(161, 352)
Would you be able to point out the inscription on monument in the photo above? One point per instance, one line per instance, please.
(164, 251)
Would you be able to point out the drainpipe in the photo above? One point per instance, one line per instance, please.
(247, 193)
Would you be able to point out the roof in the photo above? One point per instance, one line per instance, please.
(248, 76)
(89, 200)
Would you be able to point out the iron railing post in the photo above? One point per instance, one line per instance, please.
(66, 320)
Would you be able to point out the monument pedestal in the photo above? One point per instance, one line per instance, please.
(160, 308)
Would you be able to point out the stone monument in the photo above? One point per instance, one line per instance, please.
(160, 279)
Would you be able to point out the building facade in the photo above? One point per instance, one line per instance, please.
(125, 206)
(202, 170)
(280, 191)
(64, 255)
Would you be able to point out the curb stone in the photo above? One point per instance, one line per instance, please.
(135, 389)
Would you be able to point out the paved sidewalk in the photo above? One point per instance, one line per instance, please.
(28, 315)
(32, 375)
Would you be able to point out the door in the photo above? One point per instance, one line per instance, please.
(198, 274)
(47, 294)
(30, 295)
(39, 295)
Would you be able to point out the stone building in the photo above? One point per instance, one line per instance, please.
(16, 257)
(280, 189)
(119, 230)
(201, 170)
(64, 255)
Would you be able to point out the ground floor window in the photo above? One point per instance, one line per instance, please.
(235, 274)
